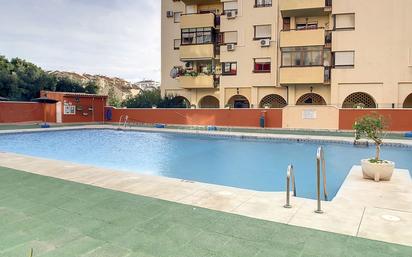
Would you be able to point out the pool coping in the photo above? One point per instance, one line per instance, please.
(242, 135)
(357, 209)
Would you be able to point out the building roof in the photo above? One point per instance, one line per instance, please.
(75, 94)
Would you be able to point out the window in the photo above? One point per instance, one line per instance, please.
(345, 21)
(229, 68)
(303, 57)
(263, 3)
(191, 9)
(344, 59)
(229, 37)
(176, 44)
(286, 23)
(306, 26)
(196, 36)
(230, 6)
(263, 32)
(177, 16)
(262, 65)
(69, 109)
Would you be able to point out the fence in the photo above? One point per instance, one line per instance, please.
(291, 117)
(217, 117)
(20, 112)
(398, 119)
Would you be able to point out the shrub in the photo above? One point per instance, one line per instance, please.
(371, 127)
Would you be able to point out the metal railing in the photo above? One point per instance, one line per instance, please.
(123, 120)
(290, 176)
(320, 167)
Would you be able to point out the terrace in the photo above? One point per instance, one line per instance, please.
(86, 212)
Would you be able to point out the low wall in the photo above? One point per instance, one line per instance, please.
(310, 117)
(398, 119)
(11, 112)
(216, 117)
(20, 112)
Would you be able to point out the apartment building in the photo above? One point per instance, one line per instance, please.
(277, 53)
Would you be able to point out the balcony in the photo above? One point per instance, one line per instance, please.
(192, 2)
(197, 52)
(303, 75)
(310, 37)
(201, 20)
(199, 81)
(296, 8)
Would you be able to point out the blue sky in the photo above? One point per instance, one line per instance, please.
(108, 37)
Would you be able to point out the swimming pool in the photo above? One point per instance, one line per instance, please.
(244, 163)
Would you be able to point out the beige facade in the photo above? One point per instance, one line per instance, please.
(254, 54)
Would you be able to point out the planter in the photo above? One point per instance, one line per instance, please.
(377, 171)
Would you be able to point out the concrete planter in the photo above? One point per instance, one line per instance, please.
(377, 171)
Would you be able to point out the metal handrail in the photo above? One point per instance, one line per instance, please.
(126, 117)
(320, 166)
(290, 175)
(120, 119)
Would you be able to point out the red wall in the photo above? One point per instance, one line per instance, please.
(20, 112)
(238, 117)
(97, 115)
(398, 119)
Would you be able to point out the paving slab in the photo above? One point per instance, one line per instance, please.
(85, 220)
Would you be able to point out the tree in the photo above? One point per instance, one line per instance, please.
(22, 80)
(91, 87)
(152, 97)
(69, 85)
(371, 127)
(113, 99)
(145, 99)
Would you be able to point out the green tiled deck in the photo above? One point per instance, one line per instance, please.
(60, 218)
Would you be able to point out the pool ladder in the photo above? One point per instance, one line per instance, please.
(123, 120)
(290, 176)
(320, 168)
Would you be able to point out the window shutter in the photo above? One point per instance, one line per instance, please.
(345, 58)
(343, 21)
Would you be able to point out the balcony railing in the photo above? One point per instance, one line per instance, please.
(306, 8)
(198, 81)
(197, 52)
(199, 20)
(302, 37)
(302, 75)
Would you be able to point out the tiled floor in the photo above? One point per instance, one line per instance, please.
(59, 218)
(351, 212)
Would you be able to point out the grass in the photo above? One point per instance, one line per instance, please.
(60, 218)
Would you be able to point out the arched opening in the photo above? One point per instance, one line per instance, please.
(273, 101)
(239, 102)
(209, 102)
(408, 102)
(311, 99)
(180, 102)
(359, 100)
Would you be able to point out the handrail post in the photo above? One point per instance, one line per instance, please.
(319, 205)
(320, 165)
(289, 174)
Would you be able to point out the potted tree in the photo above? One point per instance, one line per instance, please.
(373, 127)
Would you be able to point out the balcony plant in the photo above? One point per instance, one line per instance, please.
(373, 128)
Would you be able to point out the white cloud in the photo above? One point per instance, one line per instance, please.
(109, 37)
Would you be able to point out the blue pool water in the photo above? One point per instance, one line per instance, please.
(244, 163)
